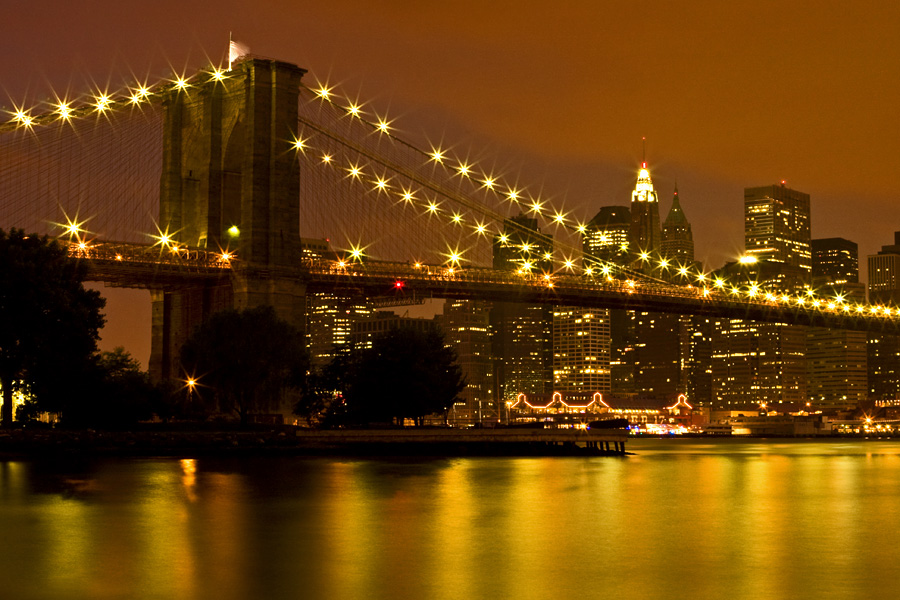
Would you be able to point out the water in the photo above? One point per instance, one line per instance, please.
(681, 519)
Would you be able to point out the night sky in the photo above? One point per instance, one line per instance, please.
(728, 95)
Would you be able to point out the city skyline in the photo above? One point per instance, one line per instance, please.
(719, 117)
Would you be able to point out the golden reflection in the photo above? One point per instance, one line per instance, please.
(189, 478)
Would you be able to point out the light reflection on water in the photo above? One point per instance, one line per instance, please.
(680, 519)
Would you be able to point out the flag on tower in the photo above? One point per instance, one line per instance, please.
(236, 50)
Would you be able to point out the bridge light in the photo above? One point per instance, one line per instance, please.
(771, 297)
(354, 171)
(381, 184)
(831, 306)
(582, 228)
(548, 256)
(526, 247)
(810, 293)
(588, 271)
(645, 256)
(481, 229)
(326, 158)
(437, 155)
(559, 218)
(839, 299)
(82, 246)
(816, 302)
(503, 238)
(432, 207)
(456, 218)
(353, 109)
(873, 310)
(218, 75)
(683, 271)
(118, 257)
(341, 264)
(356, 253)
(300, 144)
(663, 263)
(181, 83)
(605, 269)
(489, 183)
(536, 206)
(785, 298)
(845, 307)
(513, 195)
(64, 110)
(800, 301)
(323, 92)
(720, 283)
(527, 266)
(226, 256)
(383, 126)
(23, 119)
(463, 169)
(753, 291)
(860, 308)
(569, 264)
(735, 291)
(408, 196)
(102, 102)
(399, 285)
(234, 231)
(701, 277)
(748, 259)
(706, 291)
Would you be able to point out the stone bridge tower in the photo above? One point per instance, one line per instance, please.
(231, 180)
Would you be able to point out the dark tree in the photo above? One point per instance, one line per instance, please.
(245, 360)
(407, 374)
(49, 322)
(125, 394)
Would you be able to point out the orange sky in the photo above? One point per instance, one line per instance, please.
(728, 94)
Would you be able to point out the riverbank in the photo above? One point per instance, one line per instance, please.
(20, 443)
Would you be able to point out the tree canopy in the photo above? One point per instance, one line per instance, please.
(243, 361)
(49, 322)
(406, 374)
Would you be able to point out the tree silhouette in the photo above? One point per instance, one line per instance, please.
(407, 374)
(245, 360)
(49, 322)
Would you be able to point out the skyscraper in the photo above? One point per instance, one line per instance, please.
(644, 234)
(606, 236)
(580, 350)
(777, 234)
(883, 350)
(766, 362)
(467, 328)
(521, 338)
(836, 358)
(677, 241)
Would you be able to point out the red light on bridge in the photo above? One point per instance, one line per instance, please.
(399, 285)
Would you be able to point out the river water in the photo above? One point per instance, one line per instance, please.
(679, 519)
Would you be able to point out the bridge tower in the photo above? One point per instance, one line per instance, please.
(230, 180)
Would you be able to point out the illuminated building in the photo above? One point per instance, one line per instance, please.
(661, 341)
(883, 350)
(581, 348)
(466, 324)
(606, 236)
(777, 234)
(836, 358)
(766, 362)
(521, 334)
(677, 241)
(644, 234)
(366, 328)
(330, 318)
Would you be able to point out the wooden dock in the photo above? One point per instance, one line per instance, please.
(489, 441)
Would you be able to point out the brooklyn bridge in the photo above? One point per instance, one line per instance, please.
(251, 186)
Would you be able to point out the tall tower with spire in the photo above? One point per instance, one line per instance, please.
(677, 241)
(644, 233)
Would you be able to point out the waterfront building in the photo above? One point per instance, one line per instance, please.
(883, 350)
(581, 346)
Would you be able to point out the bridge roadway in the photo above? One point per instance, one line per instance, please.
(156, 267)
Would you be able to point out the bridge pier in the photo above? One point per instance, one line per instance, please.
(231, 181)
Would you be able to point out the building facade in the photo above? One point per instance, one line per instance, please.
(883, 350)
